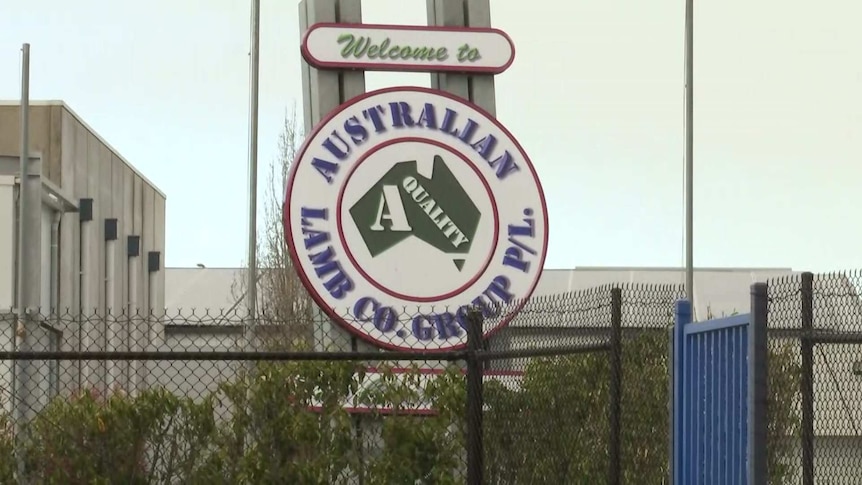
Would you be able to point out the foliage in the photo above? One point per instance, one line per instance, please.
(427, 448)
(155, 437)
(288, 423)
(285, 423)
(272, 435)
(7, 465)
(785, 372)
(546, 432)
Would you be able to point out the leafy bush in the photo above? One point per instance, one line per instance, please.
(289, 425)
(785, 372)
(154, 437)
(7, 464)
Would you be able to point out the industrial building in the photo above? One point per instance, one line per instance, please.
(94, 228)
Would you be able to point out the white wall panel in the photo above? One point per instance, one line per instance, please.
(7, 244)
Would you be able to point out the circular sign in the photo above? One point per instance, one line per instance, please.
(405, 208)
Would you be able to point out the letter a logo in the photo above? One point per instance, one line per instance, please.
(392, 209)
(403, 203)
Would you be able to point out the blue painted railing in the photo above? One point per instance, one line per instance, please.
(718, 410)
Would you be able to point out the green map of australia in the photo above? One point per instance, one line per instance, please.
(404, 203)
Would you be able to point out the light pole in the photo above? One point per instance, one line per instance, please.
(251, 293)
(689, 149)
(20, 329)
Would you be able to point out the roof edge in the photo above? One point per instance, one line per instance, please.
(79, 119)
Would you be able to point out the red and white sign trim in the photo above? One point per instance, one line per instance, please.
(374, 47)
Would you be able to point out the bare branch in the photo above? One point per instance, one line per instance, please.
(284, 305)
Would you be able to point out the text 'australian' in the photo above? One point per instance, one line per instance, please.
(398, 115)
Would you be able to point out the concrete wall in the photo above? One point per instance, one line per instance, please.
(97, 279)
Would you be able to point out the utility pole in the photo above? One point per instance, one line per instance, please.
(20, 330)
(689, 149)
(251, 293)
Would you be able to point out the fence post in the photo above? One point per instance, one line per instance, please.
(758, 394)
(671, 370)
(614, 450)
(682, 317)
(474, 399)
(807, 383)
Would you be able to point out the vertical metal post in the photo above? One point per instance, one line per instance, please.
(682, 317)
(133, 334)
(615, 450)
(251, 292)
(88, 318)
(23, 171)
(671, 374)
(474, 400)
(807, 383)
(689, 149)
(758, 394)
(19, 331)
(112, 367)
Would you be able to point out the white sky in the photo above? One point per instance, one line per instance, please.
(595, 96)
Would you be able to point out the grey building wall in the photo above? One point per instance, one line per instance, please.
(99, 287)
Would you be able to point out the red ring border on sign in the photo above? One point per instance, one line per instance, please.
(330, 312)
(378, 66)
(374, 282)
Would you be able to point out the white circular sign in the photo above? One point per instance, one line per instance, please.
(408, 206)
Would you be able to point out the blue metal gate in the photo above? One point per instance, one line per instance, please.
(719, 396)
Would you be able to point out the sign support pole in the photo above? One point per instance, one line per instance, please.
(323, 91)
(478, 88)
(689, 150)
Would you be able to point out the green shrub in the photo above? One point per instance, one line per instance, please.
(154, 437)
(7, 448)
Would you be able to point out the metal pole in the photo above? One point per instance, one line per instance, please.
(251, 293)
(19, 336)
(689, 149)
(758, 393)
(475, 451)
(616, 357)
(806, 384)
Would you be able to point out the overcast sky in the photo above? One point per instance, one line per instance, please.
(595, 96)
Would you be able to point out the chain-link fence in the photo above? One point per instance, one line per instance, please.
(815, 324)
(574, 389)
